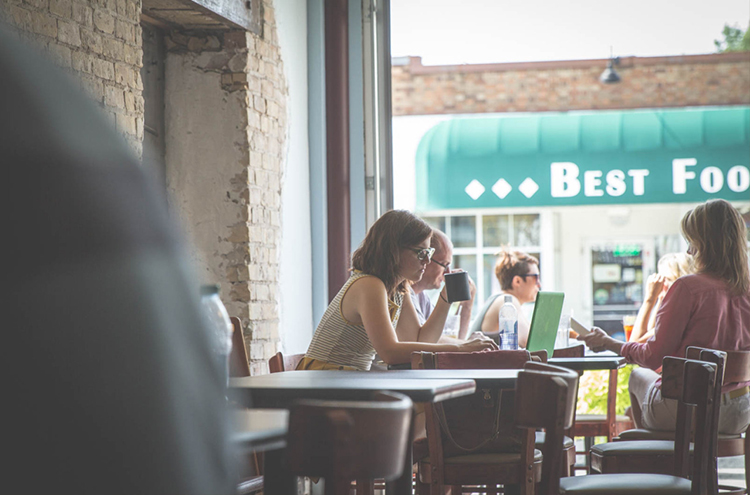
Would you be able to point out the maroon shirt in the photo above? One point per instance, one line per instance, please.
(698, 310)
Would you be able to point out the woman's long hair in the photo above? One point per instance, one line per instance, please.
(512, 263)
(717, 234)
(380, 252)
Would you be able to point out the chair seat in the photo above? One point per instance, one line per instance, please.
(644, 434)
(583, 418)
(636, 447)
(624, 484)
(539, 441)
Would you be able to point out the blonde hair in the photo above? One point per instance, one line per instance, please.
(717, 235)
(512, 263)
(676, 265)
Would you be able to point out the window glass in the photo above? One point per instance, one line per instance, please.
(435, 222)
(463, 231)
(491, 284)
(526, 229)
(495, 230)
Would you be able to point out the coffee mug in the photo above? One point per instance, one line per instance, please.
(457, 286)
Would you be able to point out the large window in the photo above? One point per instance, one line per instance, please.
(477, 239)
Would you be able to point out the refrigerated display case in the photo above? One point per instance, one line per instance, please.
(618, 274)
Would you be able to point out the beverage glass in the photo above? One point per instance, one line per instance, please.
(627, 323)
(563, 332)
(452, 322)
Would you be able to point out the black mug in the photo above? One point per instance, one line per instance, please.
(457, 286)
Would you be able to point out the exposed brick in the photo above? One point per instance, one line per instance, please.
(125, 31)
(83, 14)
(82, 62)
(103, 21)
(104, 69)
(45, 25)
(91, 41)
(62, 8)
(113, 48)
(114, 97)
(68, 33)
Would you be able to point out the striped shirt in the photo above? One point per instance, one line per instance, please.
(341, 342)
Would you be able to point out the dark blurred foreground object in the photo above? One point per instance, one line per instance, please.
(109, 385)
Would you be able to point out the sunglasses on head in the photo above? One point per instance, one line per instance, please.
(424, 253)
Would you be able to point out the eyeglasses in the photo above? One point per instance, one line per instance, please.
(423, 253)
(446, 266)
(535, 275)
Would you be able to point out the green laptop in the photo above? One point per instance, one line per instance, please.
(544, 322)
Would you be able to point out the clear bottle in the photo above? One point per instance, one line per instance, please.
(508, 325)
(219, 324)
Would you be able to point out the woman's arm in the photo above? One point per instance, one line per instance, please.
(367, 302)
(654, 286)
(408, 328)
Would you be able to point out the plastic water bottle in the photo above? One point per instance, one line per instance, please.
(508, 320)
(218, 322)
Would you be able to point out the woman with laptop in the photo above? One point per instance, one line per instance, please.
(373, 311)
(518, 274)
(710, 308)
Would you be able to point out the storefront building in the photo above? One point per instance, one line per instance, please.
(596, 195)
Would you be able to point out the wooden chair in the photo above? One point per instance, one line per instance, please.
(342, 441)
(546, 398)
(472, 440)
(279, 362)
(690, 382)
(239, 366)
(642, 450)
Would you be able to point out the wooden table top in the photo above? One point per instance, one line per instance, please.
(254, 429)
(281, 389)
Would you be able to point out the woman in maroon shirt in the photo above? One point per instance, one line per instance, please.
(708, 309)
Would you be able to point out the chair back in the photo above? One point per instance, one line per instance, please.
(238, 363)
(569, 352)
(346, 440)
(546, 398)
(279, 362)
(478, 423)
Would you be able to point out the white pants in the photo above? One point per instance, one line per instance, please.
(658, 413)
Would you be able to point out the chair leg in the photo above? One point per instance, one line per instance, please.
(365, 487)
(335, 486)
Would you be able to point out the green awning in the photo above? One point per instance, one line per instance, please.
(597, 157)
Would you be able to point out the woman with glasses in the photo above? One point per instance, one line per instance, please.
(518, 274)
(373, 313)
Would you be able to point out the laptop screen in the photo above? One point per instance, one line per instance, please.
(544, 322)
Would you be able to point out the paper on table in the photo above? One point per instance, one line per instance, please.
(578, 327)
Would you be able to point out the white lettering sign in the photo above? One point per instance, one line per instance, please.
(564, 180)
(680, 174)
(738, 179)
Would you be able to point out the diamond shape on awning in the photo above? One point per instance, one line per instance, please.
(474, 189)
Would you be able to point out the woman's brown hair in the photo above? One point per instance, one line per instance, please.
(717, 234)
(380, 252)
(512, 263)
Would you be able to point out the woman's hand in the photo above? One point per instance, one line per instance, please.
(477, 344)
(654, 286)
(599, 341)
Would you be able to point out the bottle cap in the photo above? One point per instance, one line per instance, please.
(209, 289)
(508, 298)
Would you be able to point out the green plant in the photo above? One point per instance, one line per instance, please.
(592, 391)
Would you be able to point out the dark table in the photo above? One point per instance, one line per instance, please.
(282, 389)
(259, 429)
(589, 363)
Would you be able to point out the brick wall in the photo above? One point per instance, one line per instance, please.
(226, 133)
(99, 41)
(693, 80)
(226, 150)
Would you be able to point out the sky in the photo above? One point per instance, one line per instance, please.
(447, 32)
